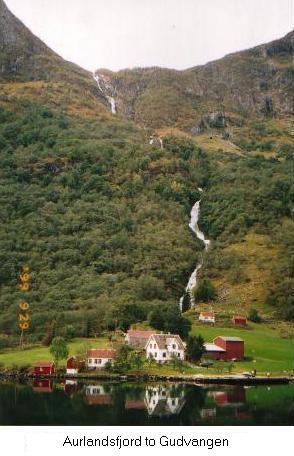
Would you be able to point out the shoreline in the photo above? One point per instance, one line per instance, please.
(194, 379)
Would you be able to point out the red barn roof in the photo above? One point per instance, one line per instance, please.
(207, 314)
(101, 353)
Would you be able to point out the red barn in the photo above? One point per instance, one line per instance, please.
(239, 320)
(44, 368)
(233, 346)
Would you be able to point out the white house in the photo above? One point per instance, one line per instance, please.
(164, 347)
(207, 317)
(97, 358)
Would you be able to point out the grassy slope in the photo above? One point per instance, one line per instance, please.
(259, 252)
(31, 355)
(263, 343)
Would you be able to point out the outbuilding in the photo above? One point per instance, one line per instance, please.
(73, 365)
(226, 348)
(239, 320)
(233, 346)
(44, 368)
(207, 317)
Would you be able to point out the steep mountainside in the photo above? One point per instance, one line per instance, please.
(257, 82)
(41, 73)
(101, 214)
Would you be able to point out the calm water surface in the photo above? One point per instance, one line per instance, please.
(42, 402)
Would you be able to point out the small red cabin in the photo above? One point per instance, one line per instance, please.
(74, 365)
(233, 346)
(239, 320)
(44, 368)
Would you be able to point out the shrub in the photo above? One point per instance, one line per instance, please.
(205, 291)
(254, 316)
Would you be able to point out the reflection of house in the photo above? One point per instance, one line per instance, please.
(73, 365)
(208, 413)
(96, 395)
(163, 347)
(138, 338)
(207, 317)
(225, 348)
(164, 401)
(239, 320)
(44, 368)
(71, 387)
(44, 385)
(135, 404)
(97, 358)
(235, 397)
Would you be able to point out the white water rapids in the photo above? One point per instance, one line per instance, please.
(110, 99)
(195, 213)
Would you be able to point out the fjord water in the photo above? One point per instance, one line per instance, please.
(42, 402)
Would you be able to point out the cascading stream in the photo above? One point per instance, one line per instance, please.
(100, 79)
(195, 214)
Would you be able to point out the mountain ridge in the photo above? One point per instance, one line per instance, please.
(256, 82)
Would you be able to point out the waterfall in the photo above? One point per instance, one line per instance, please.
(100, 80)
(193, 225)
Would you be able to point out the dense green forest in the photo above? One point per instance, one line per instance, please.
(101, 217)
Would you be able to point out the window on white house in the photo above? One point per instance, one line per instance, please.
(90, 361)
(179, 354)
(164, 355)
(155, 355)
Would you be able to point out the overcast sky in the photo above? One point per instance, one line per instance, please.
(118, 34)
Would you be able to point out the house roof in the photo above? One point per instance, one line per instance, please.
(163, 340)
(241, 317)
(101, 353)
(230, 339)
(44, 364)
(213, 348)
(140, 334)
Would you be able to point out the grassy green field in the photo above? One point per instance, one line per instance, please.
(266, 349)
(29, 356)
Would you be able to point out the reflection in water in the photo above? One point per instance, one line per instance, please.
(164, 400)
(74, 403)
(44, 385)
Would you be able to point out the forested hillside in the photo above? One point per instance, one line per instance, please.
(101, 216)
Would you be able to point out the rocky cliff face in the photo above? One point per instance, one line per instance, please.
(256, 82)
(24, 57)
